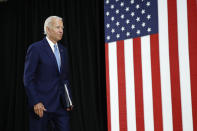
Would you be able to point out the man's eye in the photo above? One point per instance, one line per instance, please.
(58, 27)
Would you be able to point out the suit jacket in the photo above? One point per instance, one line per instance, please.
(42, 79)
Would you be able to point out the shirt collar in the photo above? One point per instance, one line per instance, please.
(51, 43)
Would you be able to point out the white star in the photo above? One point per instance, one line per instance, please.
(117, 23)
(108, 25)
(117, 36)
(107, 13)
(128, 34)
(138, 32)
(123, 28)
(149, 29)
(108, 37)
(148, 3)
(143, 11)
(132, 14)
(137, 6)
(132, 26)
(143, 24)
(132, 1)
(127, 9)
(122, 4)
(148, 17)
(122, 16)
(127, 21)
(112, 6)
(112, 18)
(107, 1)
(138, 19)
(112, 31)
(117, 0)
(117, 11)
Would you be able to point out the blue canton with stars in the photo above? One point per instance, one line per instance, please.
(126, 19)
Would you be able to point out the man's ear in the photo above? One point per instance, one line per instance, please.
(48, 29)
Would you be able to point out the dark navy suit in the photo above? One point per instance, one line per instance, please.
(45, 83)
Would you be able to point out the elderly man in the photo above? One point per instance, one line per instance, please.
(46, 80)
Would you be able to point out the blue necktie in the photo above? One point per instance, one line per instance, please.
(57, 55)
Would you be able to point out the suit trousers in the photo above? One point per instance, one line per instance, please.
(58, 120)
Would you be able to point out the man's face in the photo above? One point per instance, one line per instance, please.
(55, 32)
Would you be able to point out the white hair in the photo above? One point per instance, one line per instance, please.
(48, 22)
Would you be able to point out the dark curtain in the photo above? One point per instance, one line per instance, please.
(21, 24)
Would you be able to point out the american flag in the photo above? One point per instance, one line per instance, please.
(151, 64)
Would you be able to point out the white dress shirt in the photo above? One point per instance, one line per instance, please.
(52, 45)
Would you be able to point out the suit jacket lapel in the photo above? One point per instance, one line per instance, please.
(49, 51)
(61, 56)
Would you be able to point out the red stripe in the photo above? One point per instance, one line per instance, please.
(156, 83)
(107, 87)
(138, 84)
(192, 30)
(121, 86)
(174, 65)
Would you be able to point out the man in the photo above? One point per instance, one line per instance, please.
(46, 80)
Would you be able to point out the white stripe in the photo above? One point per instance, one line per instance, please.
(184, 65)
(113, 79)
(147, 83)
(164, 65)
(130, 87)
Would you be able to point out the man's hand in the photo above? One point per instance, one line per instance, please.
(39, 109)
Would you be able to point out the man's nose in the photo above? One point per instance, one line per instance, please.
(61, 30)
